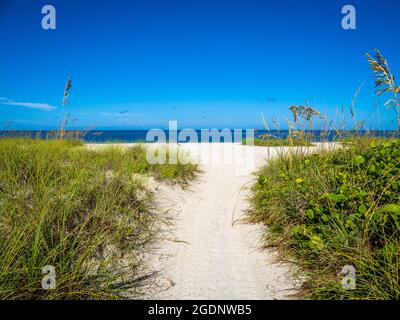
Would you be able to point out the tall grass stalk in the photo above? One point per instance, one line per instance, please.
(86, 212)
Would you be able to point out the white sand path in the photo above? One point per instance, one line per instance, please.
(210, 253)
(209, 256)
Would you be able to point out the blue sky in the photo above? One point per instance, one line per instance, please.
(203, 63)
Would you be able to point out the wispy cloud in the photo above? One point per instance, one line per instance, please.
(30, 105)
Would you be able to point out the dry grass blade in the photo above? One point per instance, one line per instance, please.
(305, 112)
(384, 81)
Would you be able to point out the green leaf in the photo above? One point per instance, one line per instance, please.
(390, 208)
(359, 159)
(341, 197)
(336, 197)
(316, 242)
(310, 213)
(362, 209)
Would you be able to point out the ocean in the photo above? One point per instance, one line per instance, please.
(126, 136)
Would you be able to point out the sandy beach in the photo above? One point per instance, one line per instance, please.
(210, 252)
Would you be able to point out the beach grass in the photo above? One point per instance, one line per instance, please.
(333, 209)
(278, 143)
(86, 212)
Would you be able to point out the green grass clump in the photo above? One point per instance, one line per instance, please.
(336, 208)
(280, 143)
(85, 212)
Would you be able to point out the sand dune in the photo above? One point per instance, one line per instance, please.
(211, 253)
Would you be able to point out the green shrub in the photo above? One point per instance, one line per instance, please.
(279, 142)
(333, 209)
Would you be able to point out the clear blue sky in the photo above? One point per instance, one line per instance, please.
(205, 63)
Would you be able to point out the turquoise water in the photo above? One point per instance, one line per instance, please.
(103, 136)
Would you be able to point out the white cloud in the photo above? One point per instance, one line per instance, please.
(30, 105)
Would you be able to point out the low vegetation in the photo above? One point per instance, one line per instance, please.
(269, 142)
(336, 208)
(337, 212)
(86, 212)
